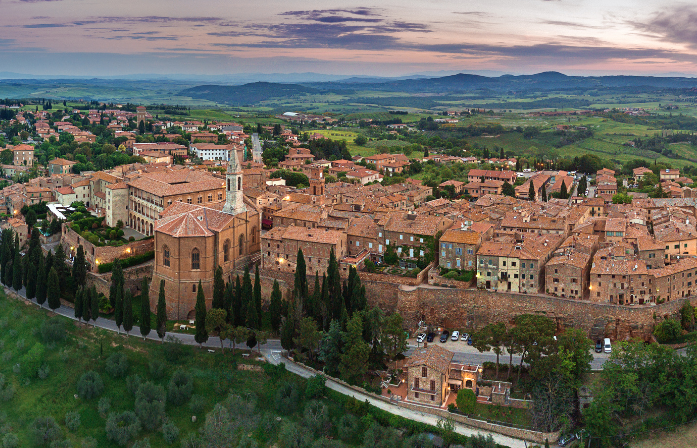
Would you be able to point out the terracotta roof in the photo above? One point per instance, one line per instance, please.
(175, 182)
(461, 237)
(573, 258)
(322, 236)
(65, 190)
(82, 183)
(118, 186)
(435, 357)
(59, 161)
(618, 267)
(23, 148)
(682, 265)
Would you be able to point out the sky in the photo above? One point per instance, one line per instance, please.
(395, 38)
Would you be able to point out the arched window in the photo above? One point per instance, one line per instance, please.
(195, 259)
(254, 234)
(241, 245)
(228, 185)
(239, 183)
(226, 251)
(165, 256)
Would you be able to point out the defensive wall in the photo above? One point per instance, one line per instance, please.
(71, 240)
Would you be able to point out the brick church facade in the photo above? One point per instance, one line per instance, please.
(192, 240)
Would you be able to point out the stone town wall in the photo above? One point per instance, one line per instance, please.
(102, 254)
(133, 277)
(473, 309)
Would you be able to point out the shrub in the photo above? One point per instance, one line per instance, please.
(117, 365)
(90, 385)
(286, 398)
(180, 388)
(347, 427)
(10, 441)
(315, 387)
(157, 369)
(44, 430)
(120, 428)
(466, 400)
(667, 331)
(197, 404)
(7, 390)
(128, 262)
(150, 405)
(53, 330)
(316, 417)
(43, 371)
(72, 420)
(170, 432)
(104, 406)
(32, 361)
(174, 350)
(133, 382)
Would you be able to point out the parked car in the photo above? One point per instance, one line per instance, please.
(464, 337)
(430, 337)
(607, 346)
(455, 336)
(420, 338)
(444, 336)
(567, 439)
(598, 346)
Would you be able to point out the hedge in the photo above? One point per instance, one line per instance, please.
(128, 262)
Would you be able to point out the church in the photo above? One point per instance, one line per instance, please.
(192, 240)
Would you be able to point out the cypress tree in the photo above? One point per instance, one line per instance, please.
(31, 281)
(127, 311)
(531, 191)
(79, 267)
(17, 272)
(32, 257)
(312, 303)
(116, 293)
(229, 303)
(49, 261)
(161, 312)
(78, 303)
(325, 305)
(5, 252)
(237, 304)
(118, 312)
(8, 274)
(257, 296)
(582, 186)
(86, 305)
(275, 307)
(41, 279)
(144, 309)
(201, 333)
(218, 289)
(564, 194)
(94, 303)
(334, 287)
(247, 296)
(300, 284)
(60, 267)
(53, 290)
(543, 194)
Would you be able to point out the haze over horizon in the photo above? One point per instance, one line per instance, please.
(214, 37)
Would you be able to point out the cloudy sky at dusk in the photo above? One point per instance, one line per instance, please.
(98, 37)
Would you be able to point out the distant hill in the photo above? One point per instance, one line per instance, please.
(248, 93)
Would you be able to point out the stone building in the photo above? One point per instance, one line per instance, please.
(411, 235)
(676, 280)
(23, 155)
(428, 374)
(458, 249)
(116, 204)
(280, 245)
(151, 193)
(60, 166)
(567, 274)
(193, 239)
(620, 280)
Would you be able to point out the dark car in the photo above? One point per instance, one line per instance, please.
(598, 346)
(567, 439)
(444, 336)
(469, 340)
(430, 337)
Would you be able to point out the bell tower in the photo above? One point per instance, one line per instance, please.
(234, 196)
(316, 181)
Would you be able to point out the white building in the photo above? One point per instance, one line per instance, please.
(211, 151)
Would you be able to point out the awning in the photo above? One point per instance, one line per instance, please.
(455, 382)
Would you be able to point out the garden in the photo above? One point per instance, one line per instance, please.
(94, 228)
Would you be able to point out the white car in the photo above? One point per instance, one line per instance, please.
(455, 336)
(464, 337)
(420, 338)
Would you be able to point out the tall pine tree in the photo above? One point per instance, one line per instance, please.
(237, 304)
(127, 311)
(161, 313)
(78, 303)
(79, 267)
(86, 305)
(229, 303)
(53, 290)
(247, 297)
(543, 194)
(531, 190)
(334, 291)
(116, 281)
(31, 281)
(218, 289)
(275, 307)
(17, 272)
(41, 282)
(257, 296)
(118, 311)
(300, 284)
(201, 333)
(60, 267)
(144, 309)
(94, 303)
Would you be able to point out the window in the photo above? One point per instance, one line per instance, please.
(210, 198)
(370, 245)
(531, 276)
(401, 237)
(226, 251)
(433, 385)
(443, 245)
(220, 196)
(471, 252)
(411, 238)
(424, 371)
(513, 263)
(358, 243)
(504, 263)
(200, 200)
(195, 259)
(193, 287)
(188, 200)
(458, 251)
(448, 265)
(421, 240)
(165, 256)
(416, 383)
(241, 244)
